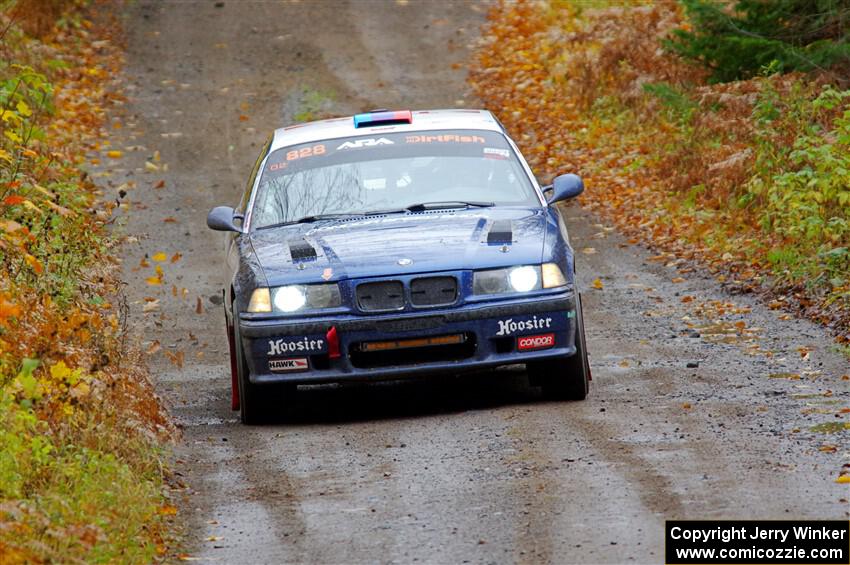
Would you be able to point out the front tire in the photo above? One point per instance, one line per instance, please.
(567, 378)
(252, 409)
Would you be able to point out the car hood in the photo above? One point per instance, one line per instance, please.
(400, 244)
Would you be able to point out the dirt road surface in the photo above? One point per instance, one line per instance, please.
(689, 416)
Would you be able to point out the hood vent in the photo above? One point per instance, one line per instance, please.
(301, 250)
(500, 232)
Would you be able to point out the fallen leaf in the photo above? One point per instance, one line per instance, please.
(153, 347)
(154, 281)
(678, 280)
(114, 154)
(34, 263)
(61, 210)
(30, 206)
(160, 184)
(843, 479)
(159, 257)
(8, 310)
(199, 306)
(176, 358)
(176, 257)
(597, 284)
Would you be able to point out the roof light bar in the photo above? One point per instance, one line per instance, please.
(383, 118)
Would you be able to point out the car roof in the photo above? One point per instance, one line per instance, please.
(422, 120)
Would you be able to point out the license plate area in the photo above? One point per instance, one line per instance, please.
(412, 351)
(412, 343)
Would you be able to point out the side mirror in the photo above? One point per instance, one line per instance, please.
(221, 218)
(565, 187)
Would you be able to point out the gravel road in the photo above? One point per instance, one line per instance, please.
(702, 403)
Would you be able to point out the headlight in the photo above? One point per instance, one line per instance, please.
(501, 281)
(518, 279)
(290, 298)
(523, 279)
(293, 298)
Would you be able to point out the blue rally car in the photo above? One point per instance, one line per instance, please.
(395, 244)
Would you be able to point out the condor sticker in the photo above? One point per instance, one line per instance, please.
(530, 342)
(285, 365)
(286, 345)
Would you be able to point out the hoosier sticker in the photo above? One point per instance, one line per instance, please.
(282, 365)
(292, 345)
(510, 326)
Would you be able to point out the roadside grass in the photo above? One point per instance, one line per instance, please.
(750, 178)
(313, 105)
(82, 434)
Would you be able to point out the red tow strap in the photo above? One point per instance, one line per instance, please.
(333, 343)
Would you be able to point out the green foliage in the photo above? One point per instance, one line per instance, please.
(23, 97)
(313, 105)
(28, 179)
(679, 107)
(781, 35)
(81, 471)
(802, 191)
(99, 500)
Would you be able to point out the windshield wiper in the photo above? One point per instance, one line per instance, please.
(422, 206)
(308, 220)
(383, 212)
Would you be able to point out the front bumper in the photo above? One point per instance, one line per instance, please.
(285, 350)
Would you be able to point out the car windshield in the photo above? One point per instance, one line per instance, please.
(389, 172)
